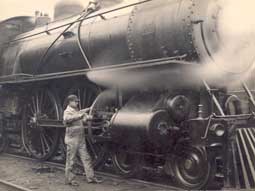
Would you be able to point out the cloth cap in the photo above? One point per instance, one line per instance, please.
(93, 1)
(72, 98)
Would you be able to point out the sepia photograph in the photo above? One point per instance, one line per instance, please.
(127, 95)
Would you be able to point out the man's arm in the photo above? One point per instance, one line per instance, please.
(86, 110)
(70, 117)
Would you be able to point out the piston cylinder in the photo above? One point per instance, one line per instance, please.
(133, 127)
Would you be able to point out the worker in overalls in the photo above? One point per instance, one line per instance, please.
(75, 141)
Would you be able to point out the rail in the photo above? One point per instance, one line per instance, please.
(8, 186)
(104, 174)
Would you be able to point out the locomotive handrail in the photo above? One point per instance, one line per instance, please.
(78, 20)
(125, 66)
(19, 74)
(239, 119)
(16, 76)
(240, 91)
(240, 116)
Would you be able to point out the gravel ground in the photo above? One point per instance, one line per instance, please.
(39, 177)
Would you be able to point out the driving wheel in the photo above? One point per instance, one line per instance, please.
(40, 141)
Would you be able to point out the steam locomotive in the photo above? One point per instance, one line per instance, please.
(133, 65)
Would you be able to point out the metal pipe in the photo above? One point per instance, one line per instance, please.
(51, 45)
(80, 46)
(126, 66)
(248, 92)
(214, 98)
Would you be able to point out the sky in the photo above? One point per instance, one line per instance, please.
(10, 8)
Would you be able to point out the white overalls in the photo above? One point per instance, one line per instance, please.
(75, 143)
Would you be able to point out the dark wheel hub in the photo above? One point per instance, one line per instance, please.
(189, 165)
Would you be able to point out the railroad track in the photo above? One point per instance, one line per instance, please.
(98, 173)
(8, 186)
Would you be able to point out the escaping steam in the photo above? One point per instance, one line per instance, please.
(144, 79)
(237, 28)
(235, 57)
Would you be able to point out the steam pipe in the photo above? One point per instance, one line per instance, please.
(51, 45)
(81, 48)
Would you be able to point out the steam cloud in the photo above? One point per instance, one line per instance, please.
(236, 56)
(238, 23)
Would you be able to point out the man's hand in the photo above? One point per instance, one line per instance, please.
(89, 117)
(93, 5)
(81, 115)
(86, 118)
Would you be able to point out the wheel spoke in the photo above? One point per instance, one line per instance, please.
(51, 112)
(32, 111)
(41, 101)
(37, 103)
(46, 104)
(79, 97)
(84, 98)
(47, 136)
(34, 104)
(42, 144)
(45, 141)
(89, 99)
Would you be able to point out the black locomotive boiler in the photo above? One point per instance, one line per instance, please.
(131, 63)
